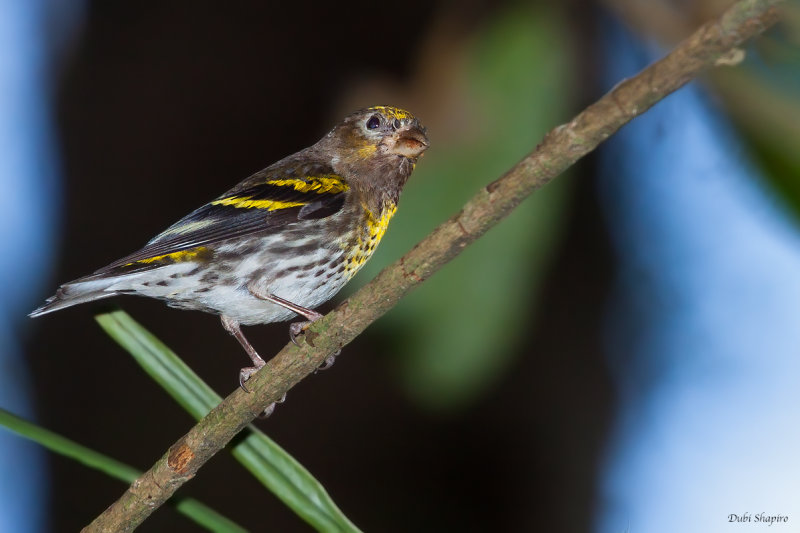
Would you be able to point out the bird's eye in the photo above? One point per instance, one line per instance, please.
(396, 124)
(373, 122)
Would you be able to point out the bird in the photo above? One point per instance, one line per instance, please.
(281, 242)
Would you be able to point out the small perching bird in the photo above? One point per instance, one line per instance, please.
(281, 242)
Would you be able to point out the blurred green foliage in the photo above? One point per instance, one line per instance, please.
(457, 334)
(762, 96)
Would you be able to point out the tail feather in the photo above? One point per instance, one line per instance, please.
(77, 292)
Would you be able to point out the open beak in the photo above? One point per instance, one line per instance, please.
(410, 142)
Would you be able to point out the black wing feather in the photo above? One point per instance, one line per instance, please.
(216, 222)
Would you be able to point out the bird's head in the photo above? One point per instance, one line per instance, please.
(377, 147)
(381, 131)
(388, 130)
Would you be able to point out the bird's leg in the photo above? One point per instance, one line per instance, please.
(232, 327)
(295, 328)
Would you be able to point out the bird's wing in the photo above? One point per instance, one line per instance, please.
(266, 201)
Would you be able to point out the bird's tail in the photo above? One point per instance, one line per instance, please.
(77, 292)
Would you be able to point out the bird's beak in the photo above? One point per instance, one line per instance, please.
(410, 142)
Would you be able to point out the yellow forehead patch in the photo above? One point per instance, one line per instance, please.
(392, 112)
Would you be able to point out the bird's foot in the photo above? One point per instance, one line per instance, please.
(329, 361)
(271, 408)
(296, 328)
(246, 372)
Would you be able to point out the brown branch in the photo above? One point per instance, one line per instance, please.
(561, 148)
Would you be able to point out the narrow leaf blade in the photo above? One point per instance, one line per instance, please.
(266, 460)
(191, 508)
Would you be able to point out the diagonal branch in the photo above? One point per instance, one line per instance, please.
(712, 44)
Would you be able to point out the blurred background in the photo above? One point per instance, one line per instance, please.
(620, 354)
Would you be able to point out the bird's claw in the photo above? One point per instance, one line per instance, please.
(271, 408)
(329, 361)
(246, 372)
(296, 328)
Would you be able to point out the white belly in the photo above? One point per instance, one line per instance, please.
(308, 280)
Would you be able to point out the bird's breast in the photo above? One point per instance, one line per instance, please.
(368, 235)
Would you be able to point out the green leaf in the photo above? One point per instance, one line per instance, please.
(191, 508)
(268, 462)
(471, 318)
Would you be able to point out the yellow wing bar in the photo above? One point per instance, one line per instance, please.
(174, 257)
(329, 183)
